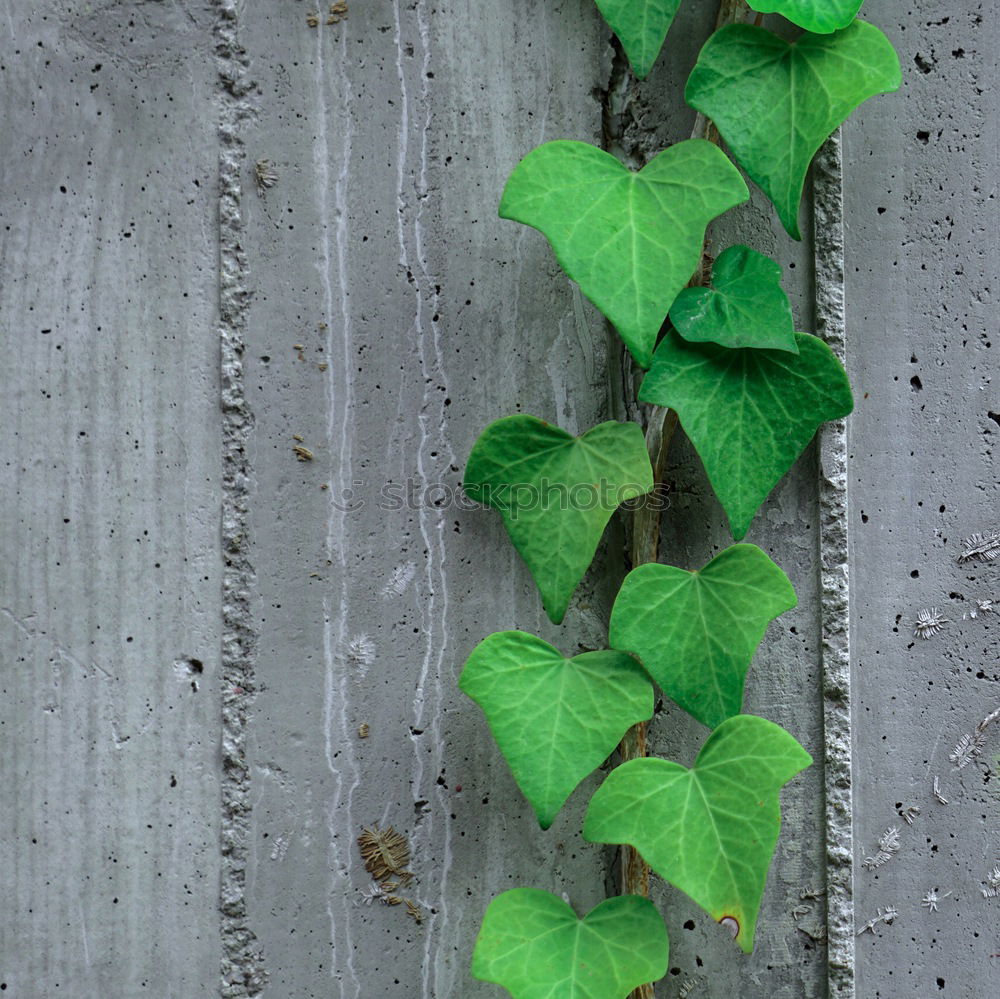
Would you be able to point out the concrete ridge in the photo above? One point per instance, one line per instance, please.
(831, 325)
(242, 968)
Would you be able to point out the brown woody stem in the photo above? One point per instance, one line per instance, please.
(660, 426)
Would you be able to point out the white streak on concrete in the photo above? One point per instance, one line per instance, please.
(83, 934)
(339, 747)
(429, 696)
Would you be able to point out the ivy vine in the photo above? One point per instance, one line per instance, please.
(725, 361)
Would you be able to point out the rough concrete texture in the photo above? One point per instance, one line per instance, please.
(220, 662)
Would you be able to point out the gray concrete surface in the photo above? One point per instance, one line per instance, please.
(195, 625)
(923, 255)
(110, 487)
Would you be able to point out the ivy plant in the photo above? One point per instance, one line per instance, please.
(776, 102)
(710, 830)
(813, 15)
(641, 27)
(554, 719)
(696, 632)
(630, 239)
(556, 493)
(744, 306)
(533, 945)
(749, 391)
(748, 413)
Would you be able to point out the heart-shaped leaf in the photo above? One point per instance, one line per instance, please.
(630, 240)
(556, 493)
(532, 944)
(748, 413)
(641, 27)
(696, 632)
(776, 102)
(710, 830)
(822, 16)
(554, 719)
(745, 307)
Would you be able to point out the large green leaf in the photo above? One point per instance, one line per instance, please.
(554, 719)
(556, 493)
(696, 632)
(748, 413)
(776, 102)
(744, 307)
(641, 27)
(822, 16)
(630, 240)
(710, 830)
(532, 944)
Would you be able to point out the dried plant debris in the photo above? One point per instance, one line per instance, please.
(809, 905)
(886, 916)
(386, 853)
(888, 847)
(981, 607)
(374, 893)
(414, 911)
(687, 988)
(980, 547)
(264, 176)
(970, 746)
(937, 791)
(991, 889)
(302, 453)
(400, 579)
(338, 12)
(931, 900)
(361, 652)
(929, 622)
(909, 814)
(964, 753)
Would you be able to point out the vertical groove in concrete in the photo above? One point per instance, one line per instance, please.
(834, 579)
(242, 968)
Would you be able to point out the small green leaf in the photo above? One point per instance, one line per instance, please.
(710, 830)
(556, 493)
(533, 945)
(554, 719)
(641, 27)
(776, 102)
(745, 307)
(630, 240)
(821, 16)
(748, 413)
(696, 632)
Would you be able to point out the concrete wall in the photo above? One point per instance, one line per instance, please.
(196, 626)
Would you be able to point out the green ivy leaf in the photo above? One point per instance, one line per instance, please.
(745, 307)
(776, 102)
(696, 632)
(748, 413)
(641, 27)
(630, 240)
(533, 945)
(821, 16)
(556, 493)
(554, 719)
(710, 830)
